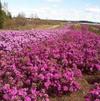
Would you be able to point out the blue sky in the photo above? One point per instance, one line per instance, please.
(57, 9)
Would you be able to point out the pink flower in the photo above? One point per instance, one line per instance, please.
(13, 91)
(41, 76)
(47, 84)
(97, 67)
(65, 88)
(27, 98)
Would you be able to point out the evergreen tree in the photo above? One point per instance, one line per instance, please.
(1, 16)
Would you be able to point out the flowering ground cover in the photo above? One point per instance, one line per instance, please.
(36, 65)
(94, 94)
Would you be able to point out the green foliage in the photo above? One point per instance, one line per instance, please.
(3, 16)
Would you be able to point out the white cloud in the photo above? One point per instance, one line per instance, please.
(93, 9)
(93, 13)
(54, 0)
(53, 12)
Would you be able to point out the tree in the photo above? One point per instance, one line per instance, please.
(1, 16)
(9, 15)
(20, 19)
(5, 15)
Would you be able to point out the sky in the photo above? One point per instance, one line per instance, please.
(57, 9)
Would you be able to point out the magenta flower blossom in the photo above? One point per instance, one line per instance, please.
(94, 94)
(27, 98)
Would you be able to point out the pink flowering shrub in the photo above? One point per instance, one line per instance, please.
(94, 94)
(35, 65)
(25, 80)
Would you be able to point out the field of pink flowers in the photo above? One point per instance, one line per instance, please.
(36, 65)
